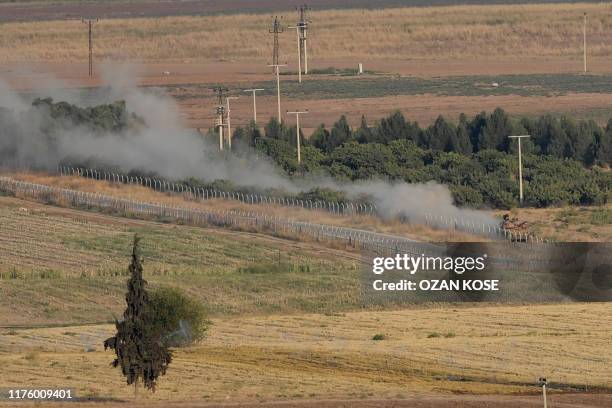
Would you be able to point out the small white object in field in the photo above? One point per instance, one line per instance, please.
(166, 73)
(23, 209)
(495, 84)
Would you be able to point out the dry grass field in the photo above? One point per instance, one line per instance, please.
(440, 350)
(570, 224)
(73, 257)
(457, 32)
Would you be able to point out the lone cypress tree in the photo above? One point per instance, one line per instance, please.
(140, 352)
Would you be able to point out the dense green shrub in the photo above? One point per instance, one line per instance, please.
(178, 319)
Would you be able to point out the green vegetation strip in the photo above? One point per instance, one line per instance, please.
(346, 85)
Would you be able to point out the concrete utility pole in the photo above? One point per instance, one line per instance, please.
(89, 22)
(297, 125)
(276, 29)
(302, 25)
(520, 164)
(220, 113)
(584, 46)
(229, 121)
(277, 67)
(254, 101)
(299, 52)
(543, 382)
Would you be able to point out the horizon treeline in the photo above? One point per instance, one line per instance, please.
(564, 161)
(561, 137)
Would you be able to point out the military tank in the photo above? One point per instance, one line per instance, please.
(517, 230)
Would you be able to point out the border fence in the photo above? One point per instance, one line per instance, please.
(203, 193)
(375, 241)
(347, 208)
(245, 220)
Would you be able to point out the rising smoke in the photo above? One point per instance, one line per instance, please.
(165, 146)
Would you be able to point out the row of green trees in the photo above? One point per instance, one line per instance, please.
(474, 158)
(560, 137)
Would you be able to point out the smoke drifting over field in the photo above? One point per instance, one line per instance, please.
(166, 147)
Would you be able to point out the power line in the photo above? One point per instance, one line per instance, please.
(90, 22)
(303, 35)
(276, 29)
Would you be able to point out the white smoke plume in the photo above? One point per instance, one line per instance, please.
(167, 147)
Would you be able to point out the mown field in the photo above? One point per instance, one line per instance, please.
(457, 32)
(79, 261)
(440, 350)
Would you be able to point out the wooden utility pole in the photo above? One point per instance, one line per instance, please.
(89, 22)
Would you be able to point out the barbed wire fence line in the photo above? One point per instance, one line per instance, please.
(347, 208)
(243, 220)
(202, 193)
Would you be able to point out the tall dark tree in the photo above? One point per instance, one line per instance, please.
(341, 132)
(276, 130)
(320, 139)
(462, 141)
(494, 134)
(475, 129)
(140, 352)
(392, 128)
(583, 138)
(603, 145)
(247, 136)
(364, 133)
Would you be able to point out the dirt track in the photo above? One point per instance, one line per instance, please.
(421, 401)
(438, 401)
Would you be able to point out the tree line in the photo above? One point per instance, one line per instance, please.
(565, 161)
